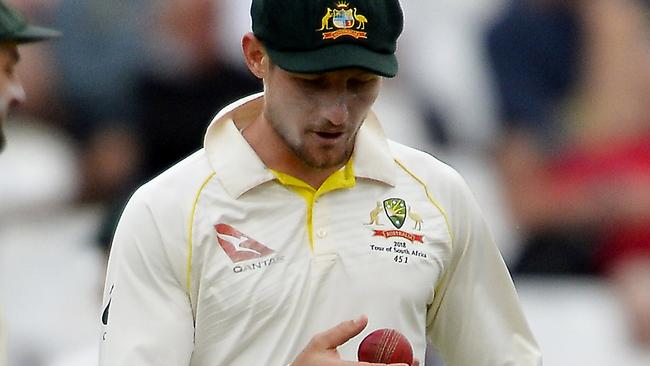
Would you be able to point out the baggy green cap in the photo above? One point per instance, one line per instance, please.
(14, 28)
(315, 36)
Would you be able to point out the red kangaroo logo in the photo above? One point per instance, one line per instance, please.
(239, 247)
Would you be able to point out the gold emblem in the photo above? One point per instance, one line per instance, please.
(374, 215)
(325, 22)
(343, 18)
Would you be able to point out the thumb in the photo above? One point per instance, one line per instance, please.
(340, 334)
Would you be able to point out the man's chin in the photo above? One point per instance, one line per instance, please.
(323, 158)
(326, 162)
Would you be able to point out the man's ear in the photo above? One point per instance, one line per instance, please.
(255, 55)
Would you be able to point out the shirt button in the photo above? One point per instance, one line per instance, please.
(321, 233)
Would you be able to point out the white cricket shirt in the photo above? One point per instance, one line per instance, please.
(221, 261)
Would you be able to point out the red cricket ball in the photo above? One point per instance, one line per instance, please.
(385, 346)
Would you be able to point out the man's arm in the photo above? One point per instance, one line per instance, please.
(147, 319)
(476, 318)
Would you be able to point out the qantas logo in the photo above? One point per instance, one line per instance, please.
(238, 246)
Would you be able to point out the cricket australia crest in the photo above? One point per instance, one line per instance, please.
(397, 211)
(341, 20)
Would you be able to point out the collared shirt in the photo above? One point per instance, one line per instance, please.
(223, 261)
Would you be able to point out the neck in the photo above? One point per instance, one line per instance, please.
(276, 155)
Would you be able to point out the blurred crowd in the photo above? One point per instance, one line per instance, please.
(543, 105)
(574, 84)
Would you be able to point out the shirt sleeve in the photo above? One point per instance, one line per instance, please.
(476, 318)
(147, 317)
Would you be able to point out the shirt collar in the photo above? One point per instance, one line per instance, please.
(239, 169)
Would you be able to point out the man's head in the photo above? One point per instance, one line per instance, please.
(14, 30)
(322, 63)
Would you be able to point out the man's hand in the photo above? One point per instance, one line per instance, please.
(321, 350)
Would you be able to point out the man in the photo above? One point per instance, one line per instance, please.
(299, 215)
(14, 30)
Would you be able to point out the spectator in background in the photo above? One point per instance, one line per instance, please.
(136, 104)
(14, 30)
(98, 60)
(184, 81)
(574, 79)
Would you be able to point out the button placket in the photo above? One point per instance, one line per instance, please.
(321, 228)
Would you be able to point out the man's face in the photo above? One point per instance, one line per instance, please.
(11, 90)
(318, 115)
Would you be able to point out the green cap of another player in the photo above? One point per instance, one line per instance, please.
(15, 28)
(324, 35)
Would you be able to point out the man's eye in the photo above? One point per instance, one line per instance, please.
(358, 84)
(310, 81)
(315, 82)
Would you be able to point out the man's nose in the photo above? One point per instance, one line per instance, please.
(337, 111)
(17, 93)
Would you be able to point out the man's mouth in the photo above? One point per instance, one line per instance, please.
(329, 135)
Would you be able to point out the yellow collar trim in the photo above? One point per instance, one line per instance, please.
(340, 179)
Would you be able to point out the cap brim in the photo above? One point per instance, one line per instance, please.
(33, 33)
(336, 57)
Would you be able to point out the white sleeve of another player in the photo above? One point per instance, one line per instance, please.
(147, 317)
(476, 318)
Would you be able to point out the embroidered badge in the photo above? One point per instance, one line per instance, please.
(341, 20)
(398, 212)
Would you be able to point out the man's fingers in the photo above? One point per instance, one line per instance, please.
(339, 334)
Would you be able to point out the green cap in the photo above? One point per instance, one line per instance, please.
(14, 28)
(315, 36)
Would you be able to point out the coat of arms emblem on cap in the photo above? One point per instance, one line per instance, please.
(341, 20)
